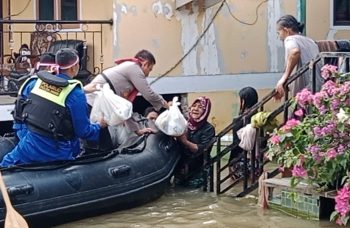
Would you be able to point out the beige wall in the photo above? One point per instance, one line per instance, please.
(139, 26)
(237, 48)
(99, 10)
(229, 47)
(319, 20)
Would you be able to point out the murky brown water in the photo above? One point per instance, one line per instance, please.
(193, 208)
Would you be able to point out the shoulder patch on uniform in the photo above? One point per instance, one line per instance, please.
(55, 90)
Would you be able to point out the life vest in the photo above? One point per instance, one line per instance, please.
(133, 94)
(44, 111)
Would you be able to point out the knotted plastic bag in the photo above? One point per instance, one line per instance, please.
(113, 108)
(171, 121)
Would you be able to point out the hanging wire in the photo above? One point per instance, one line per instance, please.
(193, 46)
(205, 31)
(20, 12)
(243, 22)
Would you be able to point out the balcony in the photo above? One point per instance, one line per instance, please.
(22, 42)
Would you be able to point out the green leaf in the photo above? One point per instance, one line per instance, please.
(343, 180)
(334, 216)
(294, 182)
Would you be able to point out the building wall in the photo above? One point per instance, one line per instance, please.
(230, 48)
(239, 53)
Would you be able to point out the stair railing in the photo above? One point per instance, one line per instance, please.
(257, 163)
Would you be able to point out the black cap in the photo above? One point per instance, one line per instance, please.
(47, 57)
(66, 58)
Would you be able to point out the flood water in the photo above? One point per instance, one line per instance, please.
(188, 208)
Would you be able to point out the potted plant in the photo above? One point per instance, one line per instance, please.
(316, 144)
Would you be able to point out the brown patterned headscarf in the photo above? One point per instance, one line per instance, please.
(194, 124)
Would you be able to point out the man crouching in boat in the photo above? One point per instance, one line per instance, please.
(54, 109)
(8, 142)
(127, 79)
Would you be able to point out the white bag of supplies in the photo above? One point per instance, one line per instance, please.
(171, 121)
(113, 108)
(247, 136)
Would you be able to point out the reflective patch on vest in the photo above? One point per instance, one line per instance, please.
(50, 88)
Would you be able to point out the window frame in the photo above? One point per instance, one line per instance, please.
(332, 18)
(57, 15)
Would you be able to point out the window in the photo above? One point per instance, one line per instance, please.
(69, 10)
(46, 10)
(341, 13)
(59, 10)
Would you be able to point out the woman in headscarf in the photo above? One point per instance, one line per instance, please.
(196, 143)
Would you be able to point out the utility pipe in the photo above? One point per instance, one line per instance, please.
(302, 13)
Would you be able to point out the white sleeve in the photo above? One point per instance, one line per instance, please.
(290, 43)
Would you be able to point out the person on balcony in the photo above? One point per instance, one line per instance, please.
(196, 145)
(54, 109)
(299, 50)
(127, 79)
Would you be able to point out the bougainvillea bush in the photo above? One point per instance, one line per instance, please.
(315, 144)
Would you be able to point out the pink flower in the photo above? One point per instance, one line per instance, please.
(281, 168)
(335, 104)
(329, 87)
(331, 154)
(299, 112)
(290, 124)
(275, 139)
(343, 194)
(317, 131)
(339, 221)
(318, 98)
(345, 88)
(322, 154)
(304, 97)
(314, 150)
(328, 70)
(341, 149)
(342, 201)
(299, 171)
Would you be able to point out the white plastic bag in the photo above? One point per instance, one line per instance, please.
(171, 121)
(113, 108)
(247, 136)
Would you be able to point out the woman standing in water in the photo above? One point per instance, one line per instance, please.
(196, 143)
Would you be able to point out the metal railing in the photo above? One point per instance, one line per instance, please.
(249, 181)
(40, 35)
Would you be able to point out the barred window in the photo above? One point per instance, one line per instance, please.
(59, 10)
(341, 12)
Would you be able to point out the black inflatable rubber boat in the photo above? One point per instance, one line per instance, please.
(93, 184)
